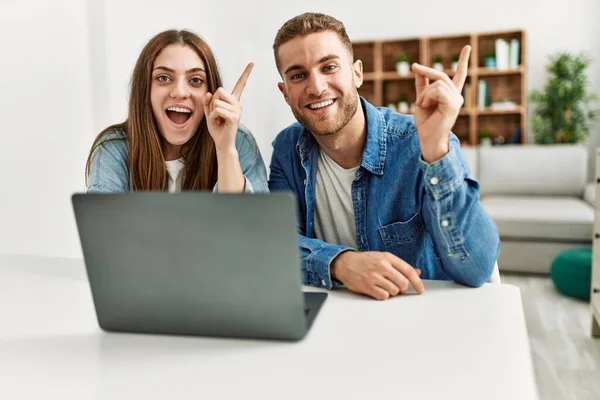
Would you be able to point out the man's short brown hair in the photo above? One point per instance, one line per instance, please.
(307, 23)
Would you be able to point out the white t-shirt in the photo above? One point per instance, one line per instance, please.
(174, 174)
(334, 211)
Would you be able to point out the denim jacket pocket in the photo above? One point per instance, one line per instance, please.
(402, 232)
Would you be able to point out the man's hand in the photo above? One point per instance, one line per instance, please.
(377, 274)
(438, 105)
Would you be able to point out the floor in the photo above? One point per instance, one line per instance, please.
(565, 356)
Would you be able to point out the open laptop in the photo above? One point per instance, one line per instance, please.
(195, 263)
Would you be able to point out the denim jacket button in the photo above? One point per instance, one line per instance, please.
(323, 282)
(434, 180)
(445, 223)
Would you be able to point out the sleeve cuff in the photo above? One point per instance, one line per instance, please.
(247, 186)
(320, 262)
(444, 175)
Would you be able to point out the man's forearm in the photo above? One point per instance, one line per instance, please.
(465, 237)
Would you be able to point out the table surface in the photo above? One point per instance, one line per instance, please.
(452, 342)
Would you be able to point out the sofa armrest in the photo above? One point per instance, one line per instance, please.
(589, 193)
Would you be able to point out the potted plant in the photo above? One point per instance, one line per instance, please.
(564, 110)
(455, 58)
(402, 64)
(485, 138)
(490, 59)
(438, 62)
(392, 106)
(403, 104)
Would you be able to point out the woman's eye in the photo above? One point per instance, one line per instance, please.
(196, 81)
(162, 78)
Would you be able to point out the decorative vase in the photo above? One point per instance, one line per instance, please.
(454, 66)
(403, 107)
(438, 66)
(403, 68)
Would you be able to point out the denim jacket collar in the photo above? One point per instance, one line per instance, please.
(373, 159)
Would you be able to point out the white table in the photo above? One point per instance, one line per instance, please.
(450, 343)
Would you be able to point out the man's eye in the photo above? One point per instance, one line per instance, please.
(330, 67)
(297, 76)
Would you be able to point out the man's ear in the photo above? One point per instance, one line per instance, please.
(281, 87)
(357, 69)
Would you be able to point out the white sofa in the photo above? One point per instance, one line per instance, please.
(540, 199)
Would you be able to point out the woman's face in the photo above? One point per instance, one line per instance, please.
(178, 87)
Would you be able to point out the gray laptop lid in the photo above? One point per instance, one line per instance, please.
(193, 263)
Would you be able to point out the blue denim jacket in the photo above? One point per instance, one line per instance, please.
(427, 214)
(109, 169)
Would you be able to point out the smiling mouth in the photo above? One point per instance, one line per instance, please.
(320, 106)
(178, 115)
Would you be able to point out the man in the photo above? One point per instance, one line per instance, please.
(385, 199)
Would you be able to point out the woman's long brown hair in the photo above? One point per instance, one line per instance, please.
(146, 157)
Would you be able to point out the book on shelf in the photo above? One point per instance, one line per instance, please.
(483, 94)
(505, 105)
(513, 61)
(507, 54)
(467, 96)
(502, 54)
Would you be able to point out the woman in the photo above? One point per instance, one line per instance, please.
(182, 130)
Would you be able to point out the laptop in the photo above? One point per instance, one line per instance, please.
(196, 263)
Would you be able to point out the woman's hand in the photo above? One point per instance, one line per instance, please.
(223, 112)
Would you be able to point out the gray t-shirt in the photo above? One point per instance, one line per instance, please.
(334, 211)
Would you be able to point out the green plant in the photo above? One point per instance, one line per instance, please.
(485, 135)
(403, 57)
(563, 112)
(455, 57)
(490, 54)
(437, 58)
(403, 98)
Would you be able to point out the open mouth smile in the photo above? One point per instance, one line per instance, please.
(179, 115)
(321, 106)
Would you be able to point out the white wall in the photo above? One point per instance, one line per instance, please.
(46, 123)
(246, 31)
(69, 64)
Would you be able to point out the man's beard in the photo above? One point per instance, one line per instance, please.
(327, 125)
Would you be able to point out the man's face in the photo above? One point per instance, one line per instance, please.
(320, 81)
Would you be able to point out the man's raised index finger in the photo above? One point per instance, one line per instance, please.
(462, 68)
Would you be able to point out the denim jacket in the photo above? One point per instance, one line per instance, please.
(429, 215)
(109, 169)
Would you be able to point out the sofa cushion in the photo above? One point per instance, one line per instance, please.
(559, 170)
(471, 155)
(589, 193)
(537, 217)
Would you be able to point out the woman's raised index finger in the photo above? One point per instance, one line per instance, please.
(241, 83)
